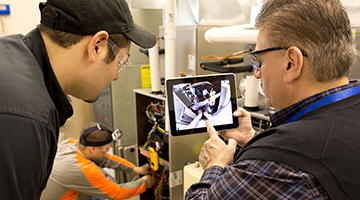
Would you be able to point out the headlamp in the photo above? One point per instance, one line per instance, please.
(116, 134)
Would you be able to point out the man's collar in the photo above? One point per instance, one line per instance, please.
(35, 43)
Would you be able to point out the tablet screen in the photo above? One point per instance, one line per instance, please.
(193, 100)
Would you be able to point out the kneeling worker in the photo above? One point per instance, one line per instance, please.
(76, 173)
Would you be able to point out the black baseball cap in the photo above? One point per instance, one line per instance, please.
(87, 17)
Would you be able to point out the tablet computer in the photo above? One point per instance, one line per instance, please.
(195, 99)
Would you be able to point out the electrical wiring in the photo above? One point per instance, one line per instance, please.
(155, 113)
(155, 107)
(147, 143)
(151, 111)
(147, 112)
(158, 186)
(153, 177)
(157, 127)
(160, 129)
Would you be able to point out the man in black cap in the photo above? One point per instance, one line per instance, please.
(78, 49)
(76, 173)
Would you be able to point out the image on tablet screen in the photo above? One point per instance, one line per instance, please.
(194, 103)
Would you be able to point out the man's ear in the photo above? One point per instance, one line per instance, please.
(97, 44)
(294, 65)
(90, 149)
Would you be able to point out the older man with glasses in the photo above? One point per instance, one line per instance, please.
(303, 56)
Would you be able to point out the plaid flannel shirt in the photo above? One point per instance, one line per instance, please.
(260, 179)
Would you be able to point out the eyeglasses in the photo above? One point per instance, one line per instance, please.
(256, 63)
(105, 150)
(125, 61)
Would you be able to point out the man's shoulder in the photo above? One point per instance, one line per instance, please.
(22, 87)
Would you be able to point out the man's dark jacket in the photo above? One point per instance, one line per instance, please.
(32, 108)
(325, 142)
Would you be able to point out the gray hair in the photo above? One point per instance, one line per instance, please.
(320, 27)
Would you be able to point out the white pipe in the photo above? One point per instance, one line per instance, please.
(155, 69)
(251, 91)
(234, 34)
(170, 39)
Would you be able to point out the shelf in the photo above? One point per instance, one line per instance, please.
(147, 92)
(146, 153)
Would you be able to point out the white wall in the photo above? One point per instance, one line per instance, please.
(353, 8)
(25, 14)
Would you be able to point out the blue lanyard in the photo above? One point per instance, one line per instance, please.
(325, 101)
